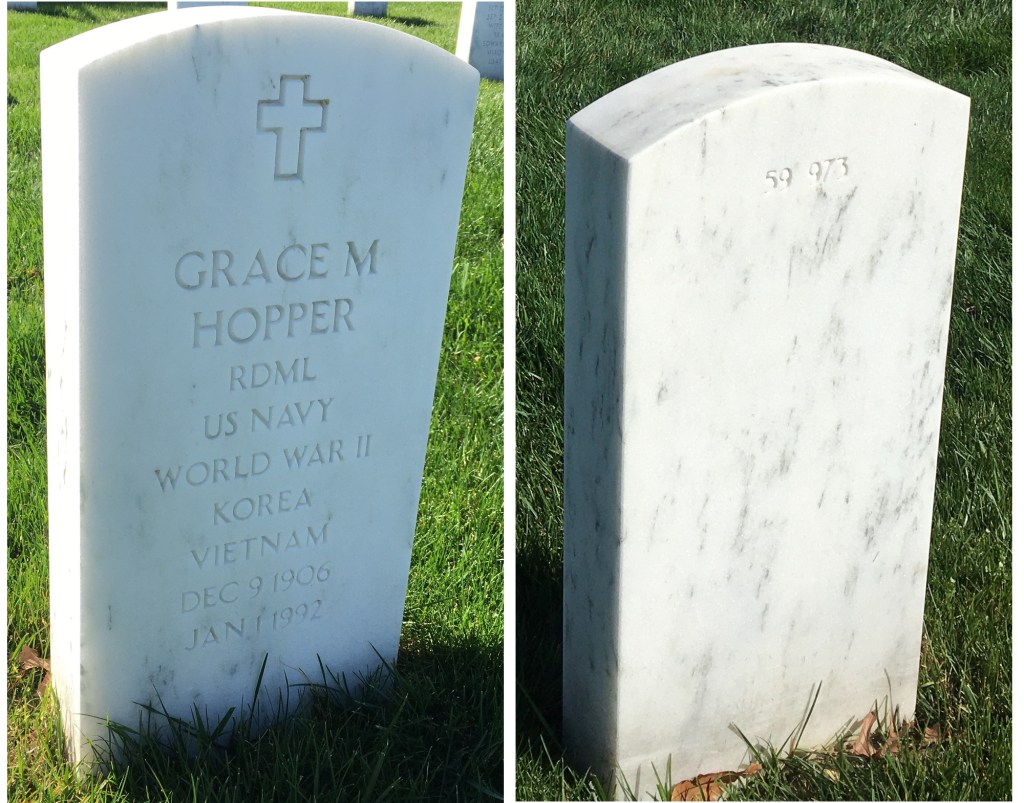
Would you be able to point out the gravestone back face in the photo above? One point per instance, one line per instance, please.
(759, 268)
(250, 218)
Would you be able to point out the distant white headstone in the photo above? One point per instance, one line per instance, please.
(361, 9)
(759, 269)
(249, 219)
(481, 39)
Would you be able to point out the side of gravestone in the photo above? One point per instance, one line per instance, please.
(362, 9)
(249, 224)
(759, 268)
(481, 39)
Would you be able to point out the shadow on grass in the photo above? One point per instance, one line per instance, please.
(429, 728)
(85, 12)
(538, 649)
(413, 22)
(539, 733)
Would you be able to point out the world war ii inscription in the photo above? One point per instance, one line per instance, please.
(249, 225)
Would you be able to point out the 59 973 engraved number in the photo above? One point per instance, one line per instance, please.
(782, 179)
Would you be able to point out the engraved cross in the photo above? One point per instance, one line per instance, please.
(289, 118)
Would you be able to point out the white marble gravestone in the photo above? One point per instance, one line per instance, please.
(759, 268)
(362, 9)
(249, 220)
(175, 4)
(481, 39)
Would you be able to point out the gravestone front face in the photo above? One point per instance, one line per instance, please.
(249, 219)
(482, 37)
(759, 268)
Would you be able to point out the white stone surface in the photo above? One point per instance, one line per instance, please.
(759, 267)
(367, 9)
(249, 220)
(173, 4)
(481, 39)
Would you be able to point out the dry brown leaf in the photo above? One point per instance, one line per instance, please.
(932, 735)
(710, 785)
(863, 747)
(29, 659)
(892, 744)
(689, 790)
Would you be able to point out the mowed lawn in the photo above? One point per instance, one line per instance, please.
(434, 732)
(571, 52)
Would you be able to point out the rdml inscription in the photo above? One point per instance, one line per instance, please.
(263, 374)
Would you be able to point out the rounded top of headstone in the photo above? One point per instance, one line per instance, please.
(95, 44)
(106, 39)
(641, 113)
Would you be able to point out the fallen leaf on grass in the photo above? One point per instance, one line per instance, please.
(863, 747)
(932, 735)
(29, 659)
(710, 785)
(892, 744)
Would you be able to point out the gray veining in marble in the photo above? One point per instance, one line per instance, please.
(759, 268)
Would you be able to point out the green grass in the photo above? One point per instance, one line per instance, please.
(570, 53)
(434, 730)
